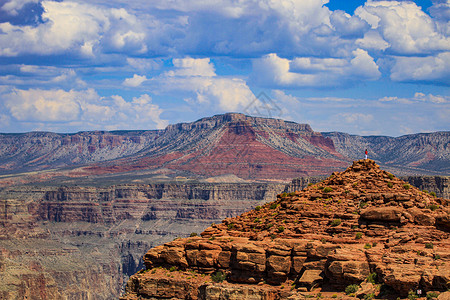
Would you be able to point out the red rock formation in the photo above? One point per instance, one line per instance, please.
(332, 234)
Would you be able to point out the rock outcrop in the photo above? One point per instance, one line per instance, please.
(354, 226)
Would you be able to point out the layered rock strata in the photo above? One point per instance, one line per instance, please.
(355, 225)
(83, 242)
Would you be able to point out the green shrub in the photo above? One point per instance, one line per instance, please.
(391, 176)
(363, 204)
(425, 191)
(193, 234)
(284, 195)
(327, 189)
(432, 295)
(412, 295)
(433, 207)
(367, 246)
(437, 256)
(406, 186)
(433, 194)
(172, 269)
(218, 276)
(292, 194)
(258, 208)
(429, 245)
(352, 288)
(374, 244)
(334, 296)
(390, 184)
(230, 226)
(369, 296)
(358, 235)
(372, 278)
(310, 184)
(257, 220)
(212, 238)
(280, 229)
(273, 205)
(269, 225)
(320, 187)
(336, 222)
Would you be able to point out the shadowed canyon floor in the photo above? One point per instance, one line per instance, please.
(362, 226)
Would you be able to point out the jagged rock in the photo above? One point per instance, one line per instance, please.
(311, 278)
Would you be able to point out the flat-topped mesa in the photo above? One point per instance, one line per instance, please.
(237, 118)
(334, 233)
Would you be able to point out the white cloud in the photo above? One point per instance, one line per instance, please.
(145, 64)
(272, 70)
(432, 68)
(13, 6)
(197, 80)
(404, 26)
(135, 81)
(348, 26)
(82, 108)
(192, 67)
(418, 97)
(43, 105)
(34, 75)
(356, 117)
(70, 27)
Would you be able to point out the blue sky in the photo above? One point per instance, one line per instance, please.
(362, 67)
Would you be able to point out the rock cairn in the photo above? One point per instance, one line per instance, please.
(362, 226)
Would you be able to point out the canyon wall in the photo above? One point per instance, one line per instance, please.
(78, 242)
(84, 242)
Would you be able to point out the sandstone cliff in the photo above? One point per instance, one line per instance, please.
(362, 226)
(83, 242)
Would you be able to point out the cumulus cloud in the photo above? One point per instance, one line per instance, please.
(348, 26)
(192, 67)
(429, 69)
(275, 71)
(404, 26)
(70, 27)
(198, 79)
(83, 107)
(135, 81)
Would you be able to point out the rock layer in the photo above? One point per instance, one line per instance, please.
(332, 234)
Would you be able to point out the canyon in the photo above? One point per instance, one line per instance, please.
(57, 241)
(79, 211)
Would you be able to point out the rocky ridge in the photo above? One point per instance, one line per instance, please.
(251, 148)
(354, 226)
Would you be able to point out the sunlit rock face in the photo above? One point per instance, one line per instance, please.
(332, 234)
